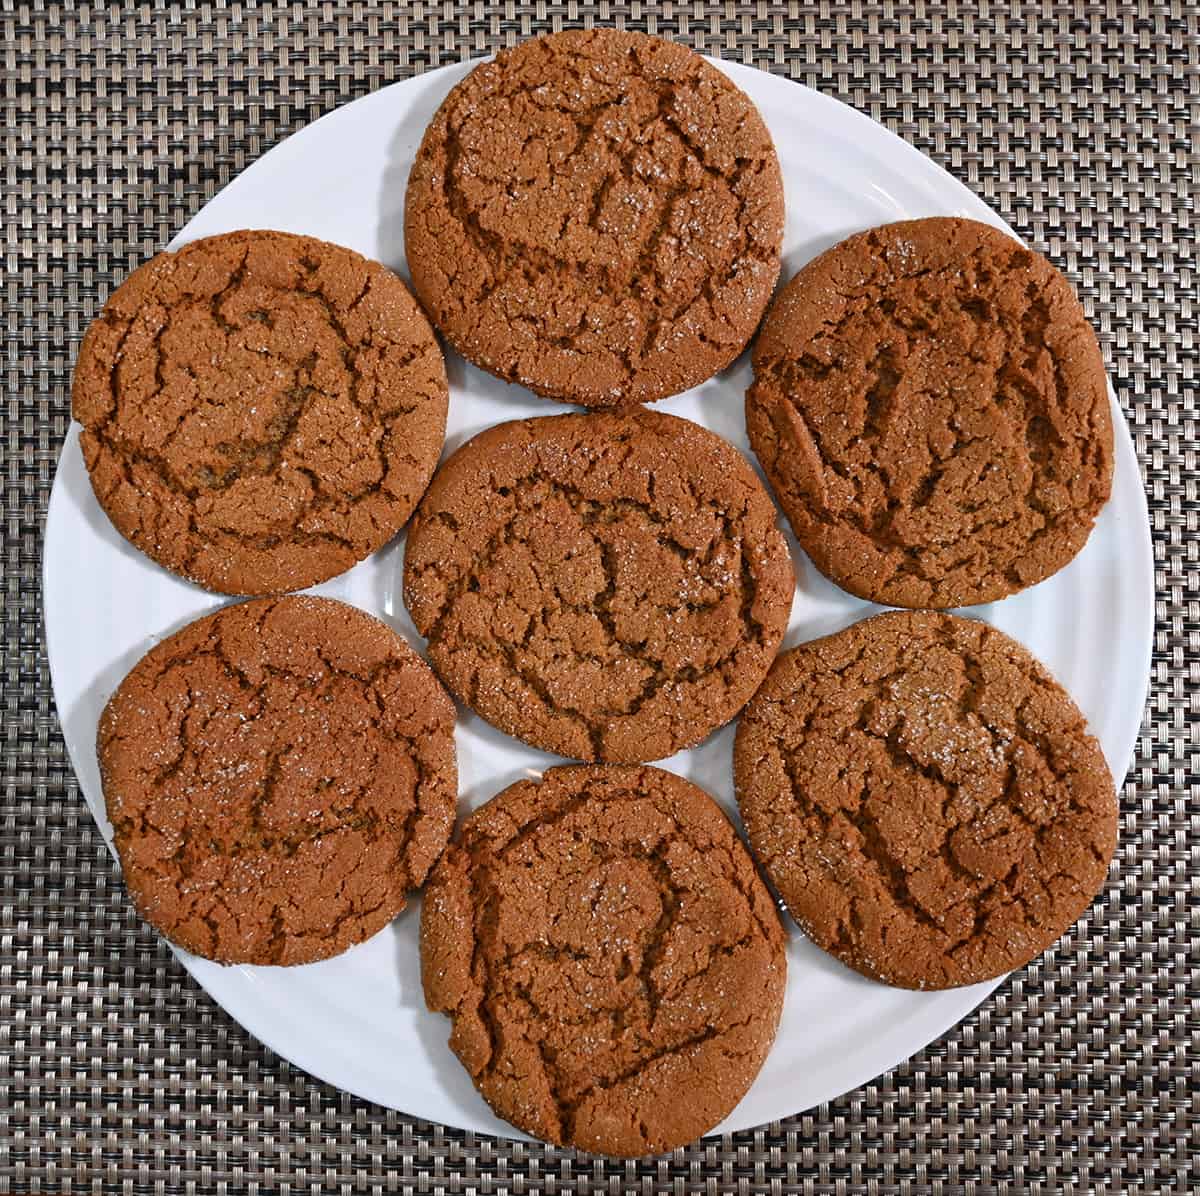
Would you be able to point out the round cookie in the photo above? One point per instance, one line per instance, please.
(930, 407)
(608, 587)
(260, 410)
(278, 775)
(597, 215)
(611, 961)
(925, 797)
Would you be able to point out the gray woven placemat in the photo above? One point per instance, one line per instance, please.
(1078, 122)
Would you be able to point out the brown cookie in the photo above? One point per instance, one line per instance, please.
(930, 406)
(260, 411)
(596, 215)
(925, 797)
(279, 775)
(609, 587)
(612, 964)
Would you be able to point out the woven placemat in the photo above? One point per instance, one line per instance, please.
(1078, 122)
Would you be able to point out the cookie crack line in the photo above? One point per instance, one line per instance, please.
(435, 631)
(874, 842)
(414, 745)
(793, 376)
(516, 255)
(295, 403)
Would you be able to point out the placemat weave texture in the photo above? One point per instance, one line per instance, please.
(1078, 121)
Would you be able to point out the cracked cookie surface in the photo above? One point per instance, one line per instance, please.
(930, 407)
(612, 963)
(608, 587)
(278, 775)
(260, 410)
(925, 797)
(598, 216)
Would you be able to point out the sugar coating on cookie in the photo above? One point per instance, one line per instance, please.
(612, 963)
(925, 797)
(608, 586)
(596, 215)
(279, 775)
(930, 407)
(260, 410)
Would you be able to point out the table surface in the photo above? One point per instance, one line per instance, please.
(1077, 121)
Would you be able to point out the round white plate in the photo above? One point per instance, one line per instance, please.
(358, 1021)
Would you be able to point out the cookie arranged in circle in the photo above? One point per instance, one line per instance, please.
(596, 215)
(612, 964)
(925, 797)
(608, 587)
(930, 407)
(260, 410)
(279, 775)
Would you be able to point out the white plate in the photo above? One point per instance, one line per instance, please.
(358, 1021)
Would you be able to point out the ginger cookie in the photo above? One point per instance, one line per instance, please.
(930, 407)
(260, 411)
(611, 961)
(925, 797)
(279, 775)
(609, 587)
(596, 215)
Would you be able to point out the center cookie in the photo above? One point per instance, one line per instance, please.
(608, 587)
(596, 215)
(613, 965)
